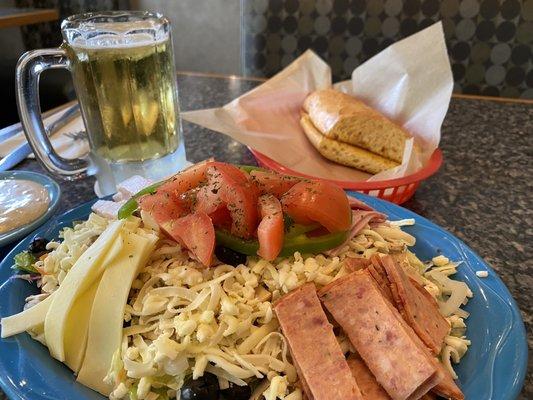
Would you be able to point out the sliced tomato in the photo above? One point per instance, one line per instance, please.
(242, 206)
(236, 190)
(270, 231)
(208, 201)
(163, 206)
(208, 198)
(221, 217)
(318, 201)
(196, 233)
(186, 180)
(189, 198)
(231, 170)
(273, 183)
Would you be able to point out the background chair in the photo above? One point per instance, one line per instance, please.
(489, 42)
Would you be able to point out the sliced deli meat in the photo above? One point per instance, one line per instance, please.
(447, 388)
(380, 276)
(429, 319)
(360, 219)
(318, 358)
(411, 270)
(369, 386)
(377, 331)
(356, 204)
(352, 264)
(417, 306)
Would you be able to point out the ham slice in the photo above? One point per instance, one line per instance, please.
(352, 264)
(370, 388)
(356, 204)
(380, 276)
(360, 219)
(416, 305)
(412, 271)
(422, 314)
(447, 387)
(389, 347)
(318, 358)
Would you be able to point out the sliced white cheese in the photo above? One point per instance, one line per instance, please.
(131, 186)
(77, 325)
(106, 321)
(81, 276)
(27, 319)
(107, 209)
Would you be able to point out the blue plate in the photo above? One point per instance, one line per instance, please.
(493, 368)
(53, 191)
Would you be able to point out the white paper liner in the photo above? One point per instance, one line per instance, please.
(410, 82)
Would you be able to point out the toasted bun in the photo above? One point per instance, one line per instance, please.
(346, 119)
(345, 154)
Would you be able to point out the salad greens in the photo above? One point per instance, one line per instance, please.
(24, 261)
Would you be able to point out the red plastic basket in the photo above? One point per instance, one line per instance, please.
(394, 190)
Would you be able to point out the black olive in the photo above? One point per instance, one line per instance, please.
(204, 388)
(236, 392)
(38, 246)
(229, 256)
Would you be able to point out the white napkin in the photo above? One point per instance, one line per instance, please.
(410, 82)
(63, 141)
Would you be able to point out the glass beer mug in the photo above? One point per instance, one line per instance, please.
(123, 71)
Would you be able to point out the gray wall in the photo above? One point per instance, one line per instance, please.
(206, 33)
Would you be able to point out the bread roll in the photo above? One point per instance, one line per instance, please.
(344, 118)
(345, 154)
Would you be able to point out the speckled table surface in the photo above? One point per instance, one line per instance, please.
(482, 194)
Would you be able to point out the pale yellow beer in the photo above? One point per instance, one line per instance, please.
(123, 70)
(128, 96)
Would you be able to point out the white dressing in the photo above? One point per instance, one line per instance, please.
(21, 202)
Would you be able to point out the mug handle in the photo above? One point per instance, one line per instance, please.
(29, 68)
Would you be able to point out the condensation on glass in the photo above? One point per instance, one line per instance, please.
(123, 70)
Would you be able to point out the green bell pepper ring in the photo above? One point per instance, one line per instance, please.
(250, 168)
(297, 229)
(226, 239)
(300, 243)
(129, 207)
(312, 245)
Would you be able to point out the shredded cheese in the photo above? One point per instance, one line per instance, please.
(185, 320)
